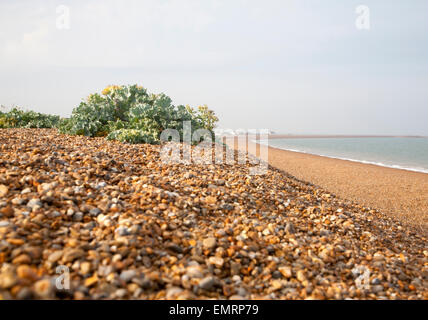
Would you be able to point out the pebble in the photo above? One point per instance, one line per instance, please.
(377, 288)
(266, 232)
(378, 257)
(3, 190)
(209, 243)
(71, 255)
(85, 267)
(207, 283)
(289, 228)
(89, 282)
(218, 262)
(301, 275)
(286, 272)
(43, 288)
(194, 272)
(123, 231)
(128, 275)
(25, 272)
(241, 292)
(34, 203)
(95, 212)
(7, 280)
(4, 224)
(22, 259)
(55, 256)
(7, 211)
(25, 294)
(101, 185)
(17, 201)
(173, 292)
(26, 190)
(78, 216)
(174, 247)
(120, 293)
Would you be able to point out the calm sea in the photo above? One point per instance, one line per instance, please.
(402, 153)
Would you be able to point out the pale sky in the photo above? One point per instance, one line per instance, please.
(291, 66)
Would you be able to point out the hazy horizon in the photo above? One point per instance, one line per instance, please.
(296, 67)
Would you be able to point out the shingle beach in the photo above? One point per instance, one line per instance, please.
(126, 226)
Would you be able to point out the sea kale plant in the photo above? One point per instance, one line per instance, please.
(18, 118)
(131, 114)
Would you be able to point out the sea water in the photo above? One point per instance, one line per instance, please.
(396, 152)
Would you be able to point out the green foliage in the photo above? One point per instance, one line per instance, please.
(131, 114)
(205, 117)
(132, 136)
(125, 113)
(17, 118)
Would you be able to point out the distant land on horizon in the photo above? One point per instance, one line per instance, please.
(299, 136)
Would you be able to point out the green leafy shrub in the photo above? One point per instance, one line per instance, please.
(132, 136)
(17, 118)
(131, 114)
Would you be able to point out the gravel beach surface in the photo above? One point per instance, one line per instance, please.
(126, 226)
(399, 193)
